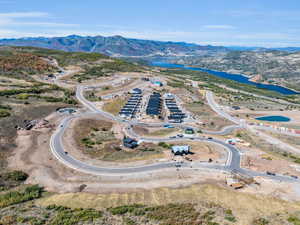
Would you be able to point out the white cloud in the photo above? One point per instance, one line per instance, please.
(18, 15)
(44, 24)
(222, 27)
(36, 24)
(17, 19)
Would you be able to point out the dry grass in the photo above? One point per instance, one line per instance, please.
(246, 207)
(287, 138)
(115, 105)
(95, 138)
(154, 132)
(259, 143)
(163, 132)
(7, 83)
(210, 119)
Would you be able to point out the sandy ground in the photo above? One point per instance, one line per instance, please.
(257, 160)
(293, 115)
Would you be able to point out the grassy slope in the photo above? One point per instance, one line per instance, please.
(213, 83)
(246, 207)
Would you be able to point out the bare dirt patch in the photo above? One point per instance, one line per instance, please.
(207, 116)
(97, 139)
(8, 132)
(263, 156)
(155, 131)
(114, 106)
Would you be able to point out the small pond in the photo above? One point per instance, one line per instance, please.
(273, 118)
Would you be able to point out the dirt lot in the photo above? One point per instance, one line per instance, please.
(161, 132)
(201, 152)
(115, 105)
(262, 156)
(101, 140)
(8, 132)
(295, 141)
(211, 121)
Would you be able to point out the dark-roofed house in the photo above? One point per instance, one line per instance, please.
(136, 91)
(130, 142)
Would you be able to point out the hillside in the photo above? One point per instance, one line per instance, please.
(23, 63)
(115, 46)
(271, 66)
(26, 93)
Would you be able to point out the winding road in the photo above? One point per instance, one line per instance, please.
(232, 164)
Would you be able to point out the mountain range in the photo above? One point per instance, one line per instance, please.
(116, 46)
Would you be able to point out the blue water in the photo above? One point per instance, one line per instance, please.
(274, 118)
(236, 77)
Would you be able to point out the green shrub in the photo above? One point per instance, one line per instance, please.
(120, 210)
(260, 221)
(164, 145)
(15, 176)
(23, 96)
(230, 218)
(4, 113)
(15, 197)
(294, 220)
(128, 221)
(68, 216)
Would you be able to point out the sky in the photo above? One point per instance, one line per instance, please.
(265, 23)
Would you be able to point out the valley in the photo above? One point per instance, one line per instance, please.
(93, 147)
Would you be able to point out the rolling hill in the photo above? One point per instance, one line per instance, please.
(117, 46)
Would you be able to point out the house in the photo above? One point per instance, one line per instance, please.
(180, 149)
(157, 83)
(136, 91)
(154, 105)
(236, 107)
(130, 142)
(189, 131)
(169, 96)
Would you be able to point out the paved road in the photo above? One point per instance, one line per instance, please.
(79, 95)
(232, 164)
(254, 129)
(57, 148)
(215, 106)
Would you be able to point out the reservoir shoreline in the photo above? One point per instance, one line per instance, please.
(235, 77)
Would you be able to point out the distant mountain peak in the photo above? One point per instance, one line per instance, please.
(115, 46)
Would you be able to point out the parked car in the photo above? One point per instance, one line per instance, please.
(270, 173)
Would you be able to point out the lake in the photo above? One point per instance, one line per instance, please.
(236, 77)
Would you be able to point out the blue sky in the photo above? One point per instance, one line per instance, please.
(269, 23)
